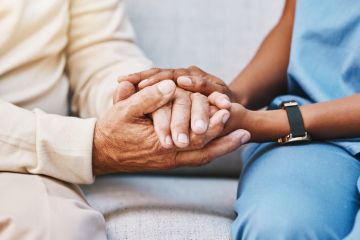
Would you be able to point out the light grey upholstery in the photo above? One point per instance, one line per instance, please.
(220, 37)
(165, 208)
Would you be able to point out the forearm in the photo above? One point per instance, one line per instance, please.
(34, 142)
(323, 121)
(101, 47)
(265, 76)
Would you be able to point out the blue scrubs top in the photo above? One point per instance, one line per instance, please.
(325, 55)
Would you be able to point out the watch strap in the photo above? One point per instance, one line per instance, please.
(296, 121)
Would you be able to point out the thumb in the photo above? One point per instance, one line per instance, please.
(149, 99)
(123, 91)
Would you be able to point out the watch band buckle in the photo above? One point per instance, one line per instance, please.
(290, 138)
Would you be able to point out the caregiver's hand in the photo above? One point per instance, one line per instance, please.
(125, 139)
(188, 111)
(192, 79)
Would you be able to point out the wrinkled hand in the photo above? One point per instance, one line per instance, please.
(188, 111)
(192, 79)
(125, 138)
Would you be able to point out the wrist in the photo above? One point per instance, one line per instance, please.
(99, 152)
(237, 96)
(267, 125)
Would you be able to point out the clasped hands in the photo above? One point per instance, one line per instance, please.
(167, 118)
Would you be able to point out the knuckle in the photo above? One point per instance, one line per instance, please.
(222, 89)
(201, 83)
(198, 96)
(168, 73)
(152, 92)
(147, 93)
(173, 161)
(180, 72)
(197, 71)
(126, 110)
(161, 125)
(133, 74)
(204, 99)
(179, 126)
(204, 158)
(155, 69)
(216, 129)
(198, 141)
(201, 142)
(193, 67)
(182, 100)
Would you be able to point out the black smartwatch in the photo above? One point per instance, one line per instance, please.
(298, 133)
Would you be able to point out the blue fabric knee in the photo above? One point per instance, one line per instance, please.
(296, 192)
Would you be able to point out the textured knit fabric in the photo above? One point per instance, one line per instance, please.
(34, 207)
(164, 208)
(47, 48)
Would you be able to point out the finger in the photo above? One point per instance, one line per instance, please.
(170, 74)
(216, 148)
(216, 127)
(162, 75)
(149, 99)
(213, 110)
(180, 118)
(199, 84)
(123, 91)
(161, 120)
(220, 100)
(200, 111)
(195, 71)
(135, 78)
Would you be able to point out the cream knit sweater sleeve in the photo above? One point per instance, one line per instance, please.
(86, 44)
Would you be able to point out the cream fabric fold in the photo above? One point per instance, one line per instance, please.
(47, 49)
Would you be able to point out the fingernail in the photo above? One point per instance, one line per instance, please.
(200, 125)
(243, 135)
(225, 102)
(166, 87)
(245, 138)
(183, 138)
(185, 81)
(226, 117)
(168, 140)
(143, 82)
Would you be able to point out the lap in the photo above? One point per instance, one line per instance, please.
(38, 207)
(355, 232)
(307, 184)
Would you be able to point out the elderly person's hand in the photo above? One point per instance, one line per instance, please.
(192, 79)
(188, 111)
(125, 138)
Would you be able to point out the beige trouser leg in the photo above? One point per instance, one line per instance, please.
(37, 207)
